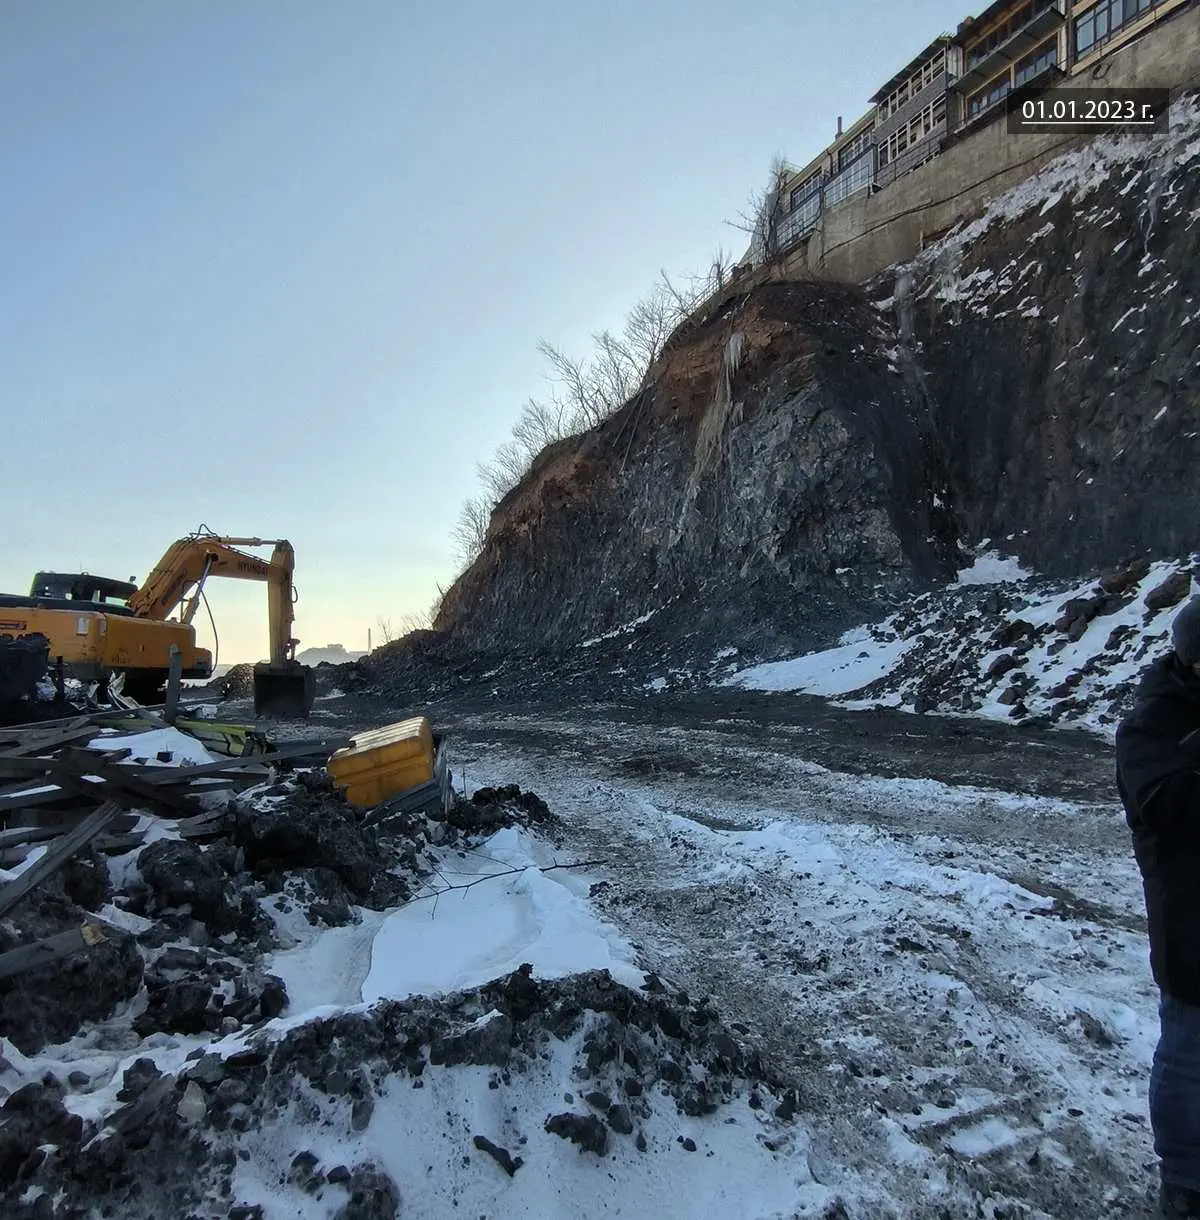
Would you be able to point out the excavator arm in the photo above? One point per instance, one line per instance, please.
(281, 685)
(188, 563)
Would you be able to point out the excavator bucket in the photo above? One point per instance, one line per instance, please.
(285, 691)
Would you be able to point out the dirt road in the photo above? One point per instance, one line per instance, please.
(933, 925)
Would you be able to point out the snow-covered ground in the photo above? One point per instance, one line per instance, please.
(950, 977)
(486, 912)
(958, 975)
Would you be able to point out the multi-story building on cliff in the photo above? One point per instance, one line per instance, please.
(912, 110)
(1011, 44)
(843, 169)
(953, 88)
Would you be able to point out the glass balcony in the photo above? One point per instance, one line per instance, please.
(982, 63)
(799, 221)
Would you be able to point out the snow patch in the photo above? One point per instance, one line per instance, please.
(462, 939)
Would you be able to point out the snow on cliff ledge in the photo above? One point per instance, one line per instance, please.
(1018, 649)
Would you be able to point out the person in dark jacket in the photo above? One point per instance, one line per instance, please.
(1158, 776)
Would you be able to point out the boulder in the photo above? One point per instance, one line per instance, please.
(1122, 578)
(1170, 593)
(178, 874)
(318, 831)
(1005, 662)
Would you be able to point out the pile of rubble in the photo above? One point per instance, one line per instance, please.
(1034, 655)
(179, 923)
(176, 1143)
(205, 1085)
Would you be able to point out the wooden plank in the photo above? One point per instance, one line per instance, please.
(201, 824)
(318, 748)
(50, 949)
(59, 853)
(245, 776)
(231, 766)
(23, 768)
(23, 733)
(106, 719)
(13, 768)
(174, 676)
(52, 741)
(28, 798)
(116, 776)
(114, 845)
(222, 766)
(28, 834)
(130, 796)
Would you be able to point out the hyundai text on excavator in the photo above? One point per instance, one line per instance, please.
(95, 628)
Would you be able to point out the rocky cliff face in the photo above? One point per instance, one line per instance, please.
(809, 451)
(1059, 340)
(775, 464)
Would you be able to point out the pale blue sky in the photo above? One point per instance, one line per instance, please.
(281, 266)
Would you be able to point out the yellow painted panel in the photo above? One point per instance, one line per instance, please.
(383, 762)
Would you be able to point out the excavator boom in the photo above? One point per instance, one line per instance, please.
(282, 686)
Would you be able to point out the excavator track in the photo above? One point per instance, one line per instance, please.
(24, 661)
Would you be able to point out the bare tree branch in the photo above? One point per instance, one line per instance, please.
(448, 887)
(589, 390)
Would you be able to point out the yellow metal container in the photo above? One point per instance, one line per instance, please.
(383, 762)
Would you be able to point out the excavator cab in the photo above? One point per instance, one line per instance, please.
(285, 690)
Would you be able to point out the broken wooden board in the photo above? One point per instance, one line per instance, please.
(39, 743)
(50, 949)
(32, 795)
(28, 834)
(127, 790)
(203, 825)
(126, 721)
(59, 852)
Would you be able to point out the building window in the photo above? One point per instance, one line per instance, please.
(854, 149)
(988, 96)
(1036, 62)
(1100, 23)
(922, 78)
(802, 218)
(1006, 29)
(917, 130)
(805, 191)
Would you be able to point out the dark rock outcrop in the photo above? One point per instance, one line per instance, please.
(1061, 356)
(173, 1145)
(775, 460)
(51, 1003)
(800, 458)
(315, 829)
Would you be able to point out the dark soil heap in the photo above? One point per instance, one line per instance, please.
(173, 1147)
(198, 965)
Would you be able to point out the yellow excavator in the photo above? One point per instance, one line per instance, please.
(95, 628)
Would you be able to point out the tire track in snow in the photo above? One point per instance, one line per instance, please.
(874, 1033)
